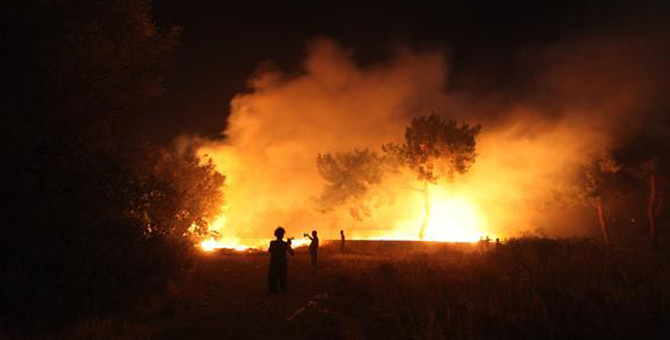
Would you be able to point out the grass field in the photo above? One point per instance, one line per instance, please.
(525, 289)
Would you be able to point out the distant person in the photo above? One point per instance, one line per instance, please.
(278, 261)
(313, 249)
(342, 241)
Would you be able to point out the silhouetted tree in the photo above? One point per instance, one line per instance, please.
(435, 149)
(646, 156)
(174, 194)
(96, 216)
(349, 177)
(599, 180)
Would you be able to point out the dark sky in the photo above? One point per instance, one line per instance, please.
(222, 44)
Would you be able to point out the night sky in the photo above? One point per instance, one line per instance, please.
(222, 44)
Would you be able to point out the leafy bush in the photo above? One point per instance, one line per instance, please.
(95, 216)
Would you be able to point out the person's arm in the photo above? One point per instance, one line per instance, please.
(289, 248)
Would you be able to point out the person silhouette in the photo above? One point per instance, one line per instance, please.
(313, 249)
(278, 261)
(342, 241)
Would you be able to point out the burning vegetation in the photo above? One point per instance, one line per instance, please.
(545, 159)
(434, 149)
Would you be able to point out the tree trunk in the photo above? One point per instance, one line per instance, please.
(603, 224)
(650, 211)
(427, 206)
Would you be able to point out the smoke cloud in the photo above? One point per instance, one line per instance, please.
(587, 94)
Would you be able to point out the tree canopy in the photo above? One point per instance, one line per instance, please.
(434, 148)
(96, 216)
(349, 177)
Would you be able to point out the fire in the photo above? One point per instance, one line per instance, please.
(295, 243)
(211, 244)
(455, 219)
(219, 228)
(208, 245)
(455, 216)
(528, 153)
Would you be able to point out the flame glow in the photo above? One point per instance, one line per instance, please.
(232, 243)
(455, 219)
(212, 244)
(530, 148)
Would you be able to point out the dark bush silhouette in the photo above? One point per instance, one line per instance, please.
(95, 216)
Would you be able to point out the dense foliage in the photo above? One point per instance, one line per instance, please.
(434, 149)
(96, 216)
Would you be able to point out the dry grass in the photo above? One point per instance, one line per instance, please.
(100, 329)
(525, 289)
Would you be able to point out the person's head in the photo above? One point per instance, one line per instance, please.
(313, 233)
(279, 233)
(341, 231)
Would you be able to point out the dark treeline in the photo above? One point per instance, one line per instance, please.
(95, 216)
(628, 187)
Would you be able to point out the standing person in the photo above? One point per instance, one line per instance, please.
(342, 241)
(313, 249)
(278, 261)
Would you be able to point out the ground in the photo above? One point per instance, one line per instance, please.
(524, 289)
(521, 289)
(234, 302)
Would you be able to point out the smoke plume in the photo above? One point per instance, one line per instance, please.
(587, 94)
